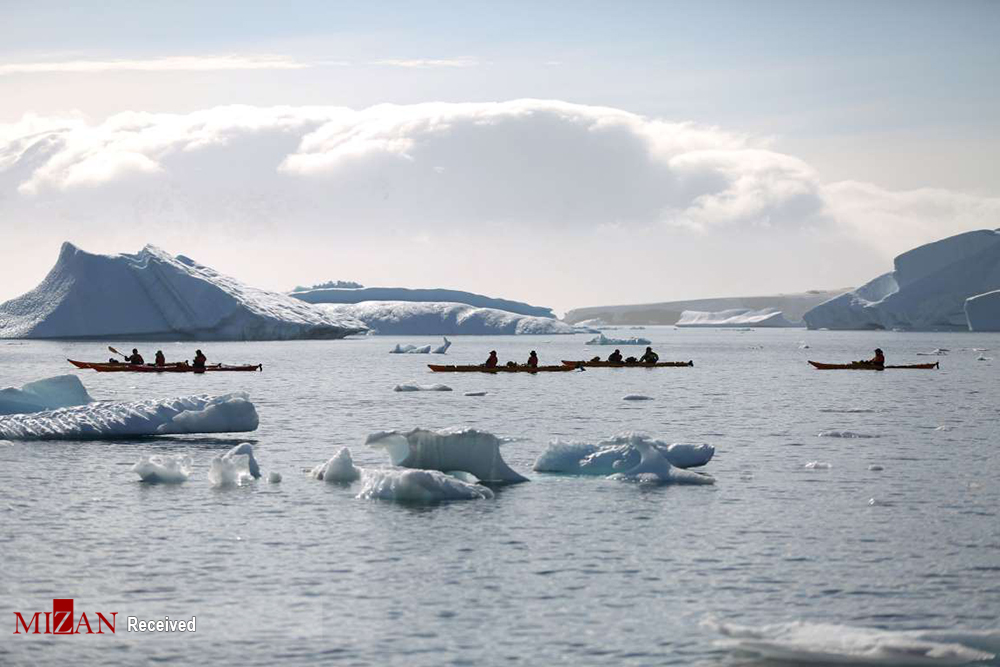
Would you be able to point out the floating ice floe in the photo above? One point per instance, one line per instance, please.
(844, 434)
(601, 339)
(628, 456)
(636, 397)
(467, 450)
(229, 413)
(829, 643)
(476, 393)
(817, 465)
(163, 469)
(424, 349)
(418, 486)
(936, 352)
(234, 467)
(421, 387)
(339, 469)
(61, 391)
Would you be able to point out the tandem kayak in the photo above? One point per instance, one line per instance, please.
(610, 364)
(869, 367)
(168, 368)
(499, 369)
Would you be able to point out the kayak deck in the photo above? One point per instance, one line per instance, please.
(168, 368)
(499, 369)
(869, 367)
(610, 364)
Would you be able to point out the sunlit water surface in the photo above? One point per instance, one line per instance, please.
(559, 570)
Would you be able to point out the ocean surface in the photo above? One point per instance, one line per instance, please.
(559, 570)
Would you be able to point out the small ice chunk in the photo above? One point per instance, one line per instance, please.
(273, 477)
(875, 467)
(636, 397)
(843, 434)
(476, 393)
(476, 452)
(229, 470)
(421, 387)
(339, 469)
(418, 486)
(247, 448)
(163, 469)
(817, 465)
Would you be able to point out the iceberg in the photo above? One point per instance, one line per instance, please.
(102, 420)
(628, 456)
(601, 339)
(803, 643)
(983, 311)
(229, 469)
(467, 450)
(419, 486)
(339, 469)
(928, 290)
(347, 295)
(61, 391)
(424, 349)
(169, 298)
(163, 469)
(735, 317)
(421, 387)
(417, 318)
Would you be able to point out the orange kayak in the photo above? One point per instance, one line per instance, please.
(610, 364)
(854, 366)
(499, 369)
(168, 368)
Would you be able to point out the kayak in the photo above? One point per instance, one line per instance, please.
(610, 364)
(854, 366)
(499, 369)
(168, 368)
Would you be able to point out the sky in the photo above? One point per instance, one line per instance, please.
(562, 153)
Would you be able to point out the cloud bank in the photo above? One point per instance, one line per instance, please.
(456, 170)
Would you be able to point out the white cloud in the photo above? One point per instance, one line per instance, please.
(164, 64)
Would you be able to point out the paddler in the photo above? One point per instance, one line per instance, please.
(532, 360)
(615, 357)
(199, 359)
(135, 358)
(492, 361)
(650, 357)
(160, 359)
(878, 360)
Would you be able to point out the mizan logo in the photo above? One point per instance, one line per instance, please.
(60, 621)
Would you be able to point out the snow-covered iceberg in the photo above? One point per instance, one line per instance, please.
(61, 391)
(628, 456)
(601, 339)
(423, 349)
(152, 295)
(416, 318)
(983, 311)
(803, 643)
(927, 291)
(230, 413)
(357, 295)
(418, 486)
(734, 317)
(467, 450)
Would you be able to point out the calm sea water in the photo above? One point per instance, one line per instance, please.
(559, 570)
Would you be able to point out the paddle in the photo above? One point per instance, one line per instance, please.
(114, 351)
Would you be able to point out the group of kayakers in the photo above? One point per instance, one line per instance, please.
(615, 357)
(135, 359)
(493, 361)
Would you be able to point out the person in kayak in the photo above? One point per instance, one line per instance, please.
(492, 361)
(532, 360)
(160, 359)
(650, 357)
(135, 358)
(878, 360)
(615, 357)
(199, 359)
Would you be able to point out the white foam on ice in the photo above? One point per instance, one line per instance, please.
(844, 434)
(51, 393)
(415, 318)
(421, 387)
(829, 643)
(418, 486)
(339, 469)
(468, 450)
(601, 339)
(230, 413)
(169, 298)
(163, 469)
(629, 456)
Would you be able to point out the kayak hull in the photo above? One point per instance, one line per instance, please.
(609, 364)
(869, 367)
(169, 368)
(499, 369)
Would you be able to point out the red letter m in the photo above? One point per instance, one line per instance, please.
(34, 619)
